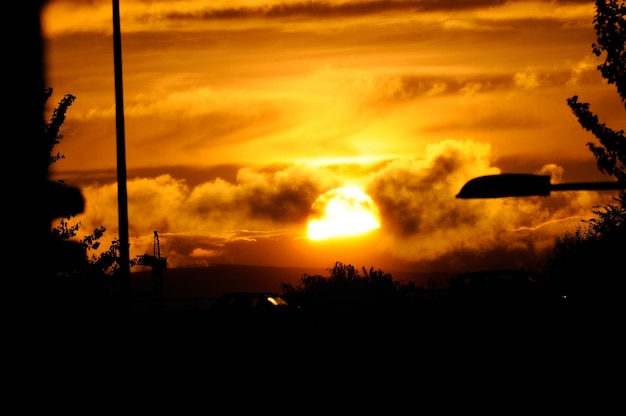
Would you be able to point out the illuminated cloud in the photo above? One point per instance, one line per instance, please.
(239, 114)
(421, 219)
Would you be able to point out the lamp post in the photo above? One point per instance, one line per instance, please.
(521, 184)
(122, 197)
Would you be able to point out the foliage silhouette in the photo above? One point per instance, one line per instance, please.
(611, 34)
(371, 297)
(589, 260)
(93, 274)
(351, 299)
(345, 280)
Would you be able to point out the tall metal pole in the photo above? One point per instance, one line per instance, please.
(122, 197)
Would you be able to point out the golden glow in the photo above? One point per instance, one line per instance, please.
(342, 212)
(238, 110)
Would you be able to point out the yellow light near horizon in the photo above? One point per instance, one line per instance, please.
(342, 212)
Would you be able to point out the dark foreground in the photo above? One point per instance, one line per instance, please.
(422, 325)
(408, 352)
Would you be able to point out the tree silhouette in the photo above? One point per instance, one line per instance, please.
(88, 274)
(52, 128)
(611, 33)
(589, 261)
(353, 299)
(346, 285)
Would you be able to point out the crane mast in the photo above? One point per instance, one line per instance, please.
(158, 264)
(157, 246)
(155, 260)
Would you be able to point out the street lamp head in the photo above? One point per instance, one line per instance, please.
(523, 184)
(505, 185)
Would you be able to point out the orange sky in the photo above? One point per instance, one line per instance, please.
(239, 114)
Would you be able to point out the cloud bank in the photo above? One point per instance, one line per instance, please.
(266, 211)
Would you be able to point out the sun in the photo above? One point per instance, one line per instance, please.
(342, 212)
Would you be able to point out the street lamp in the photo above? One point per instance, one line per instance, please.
(522, 184)
(122, 197)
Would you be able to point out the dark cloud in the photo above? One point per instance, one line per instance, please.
(282, 202)
(416, 201)
(327, 10)
(331, 10)
(412, 86)
(193, 175)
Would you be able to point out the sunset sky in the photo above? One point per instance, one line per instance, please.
(239, 114)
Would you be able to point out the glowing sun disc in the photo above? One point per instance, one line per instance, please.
(342, 212)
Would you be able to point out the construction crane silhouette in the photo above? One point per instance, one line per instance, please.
(158, 264)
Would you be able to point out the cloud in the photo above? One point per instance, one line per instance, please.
(95, 16)
(527, 80)
(422, 221)
(240, 113)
